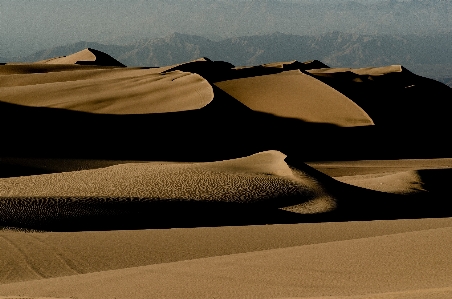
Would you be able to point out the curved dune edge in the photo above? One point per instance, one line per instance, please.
(170, 181)
(261, 181)
(115, 91)
(410, 261)
(296, 65)
(371, 71)
(84, 57)
(294, 94)
(404, 182)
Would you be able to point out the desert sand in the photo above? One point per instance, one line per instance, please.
(206, 180)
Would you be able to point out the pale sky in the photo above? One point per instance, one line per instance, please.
(30, 25)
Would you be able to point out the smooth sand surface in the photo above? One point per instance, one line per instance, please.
(30, 256)
(294, 94)
(103, 91)
(403, 262)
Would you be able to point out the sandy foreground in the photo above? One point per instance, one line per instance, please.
(261, 209)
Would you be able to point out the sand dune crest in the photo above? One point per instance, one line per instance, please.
(294, 94)
(84, 57)
(433, 181)
(117, 91)
(261, 181)
(296, 65)
(372, 71)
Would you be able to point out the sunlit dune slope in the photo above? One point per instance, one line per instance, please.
(84, 57)
(293, 94)
(30, 256)
(114, 91)
(263, 181)
(412, 262)
(432, 181)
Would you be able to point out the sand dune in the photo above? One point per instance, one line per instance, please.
(415, 181)
(371, 71)
(173, 182)
(103, 91)
(29, 68)
(27, 297)
(293, 94)
(260, 181)
(434, 293)
(404, 262)
(369, 167)
(30, 256)
(261, 188)
(296, 65)
(50, 254)
(84, 57)
(392, 96)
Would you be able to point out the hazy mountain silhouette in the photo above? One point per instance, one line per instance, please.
(425, 55)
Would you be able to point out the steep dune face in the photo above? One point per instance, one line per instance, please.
(392, 95)
(84, 57)
(293, 94)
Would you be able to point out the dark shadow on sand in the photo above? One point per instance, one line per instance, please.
(224, 129)
(94, 214)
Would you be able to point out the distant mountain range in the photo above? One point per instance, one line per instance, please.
(429, 56)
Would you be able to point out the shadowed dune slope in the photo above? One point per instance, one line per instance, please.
(84, 57)
(411, 262)
(115, 91)
(294, 94)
